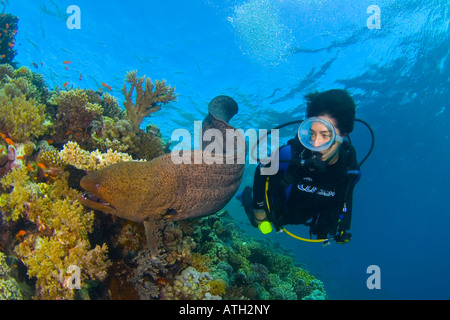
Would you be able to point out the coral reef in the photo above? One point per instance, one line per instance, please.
(210, 258)
(44, 136)
(149, 97)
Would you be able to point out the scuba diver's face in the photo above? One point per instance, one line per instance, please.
(320, 135)
(323, 135)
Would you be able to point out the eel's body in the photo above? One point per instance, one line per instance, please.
(160, 189)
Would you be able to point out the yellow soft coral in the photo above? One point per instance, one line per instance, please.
(60, 238)
(23, 118)
(217, 287)
(14, 203)
(49, 258)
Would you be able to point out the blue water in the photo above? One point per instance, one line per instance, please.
(267, 54)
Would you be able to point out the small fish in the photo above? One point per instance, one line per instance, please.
(41, 165)
(106, 86)
(68, 132)
(7, 26)
(9, 141)
(42, 63)
(81, 76)
(2, 135)
(20, 234)
(30, 168)
(3, 56)
(65, 84)
(50, 141)
(35, 65)
(20, 157)
(11, 45)
(67, 62)
(66, 67)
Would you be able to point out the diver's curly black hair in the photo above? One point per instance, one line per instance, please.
(336, 103)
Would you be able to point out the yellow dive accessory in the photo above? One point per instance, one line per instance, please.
(265, 227)
(324, 241)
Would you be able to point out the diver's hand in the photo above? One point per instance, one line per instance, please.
(343, 238)
(260, 215)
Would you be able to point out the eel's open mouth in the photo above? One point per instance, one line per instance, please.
(94, 202)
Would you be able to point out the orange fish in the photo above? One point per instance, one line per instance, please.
(20, 157)
(3, 56)
(67, 62)
(106, 86)
(9, 141)
(30, 168)
(7, 26)
(68, 132)
(11, 45)
(50, 141)
(66, 67)
(41, 165)
(20, 234)
(2, 135)
(65, 84)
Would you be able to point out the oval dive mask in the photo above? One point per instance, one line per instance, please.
(317, 134)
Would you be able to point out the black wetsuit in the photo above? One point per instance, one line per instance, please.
(302, 194)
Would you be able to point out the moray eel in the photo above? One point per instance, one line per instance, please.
(160, 189)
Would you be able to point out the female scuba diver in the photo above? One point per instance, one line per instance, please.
(317, 173)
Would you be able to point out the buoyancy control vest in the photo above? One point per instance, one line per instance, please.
(307, 192)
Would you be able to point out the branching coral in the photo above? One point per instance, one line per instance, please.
(149, 97)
